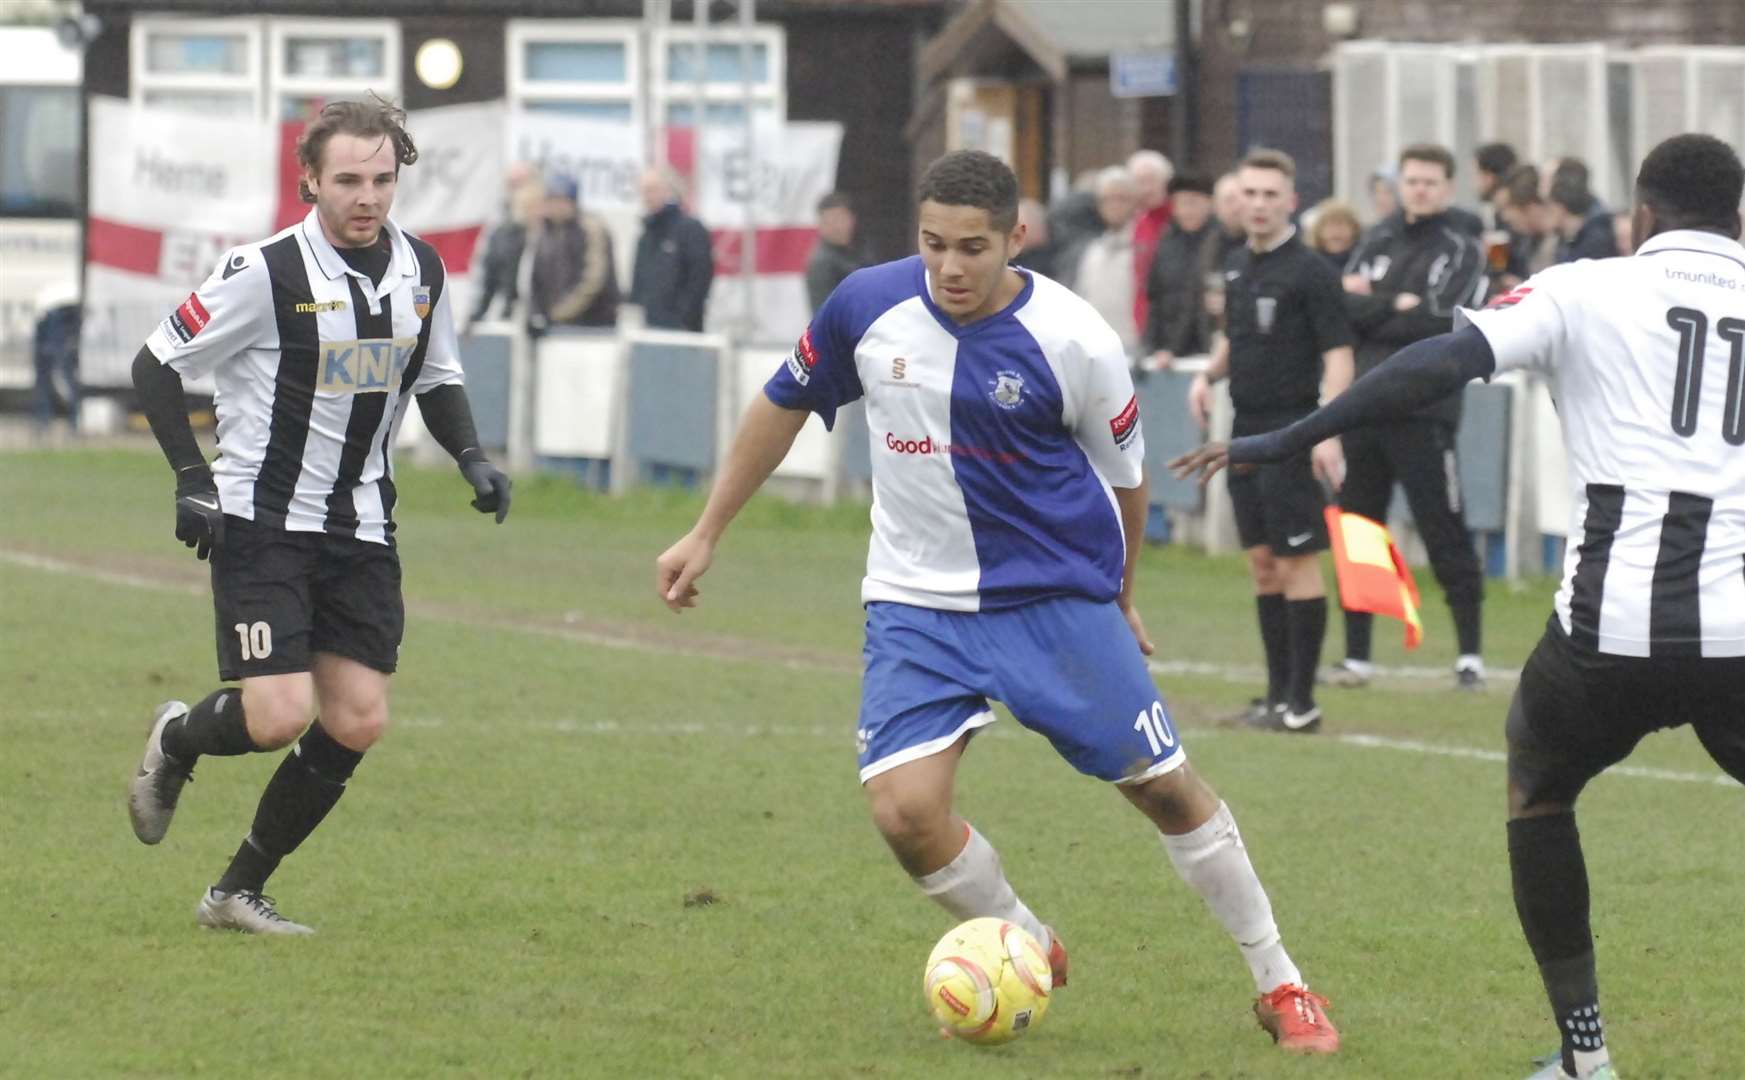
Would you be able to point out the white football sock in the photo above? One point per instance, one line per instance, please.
(1213, 861)
(973, 885)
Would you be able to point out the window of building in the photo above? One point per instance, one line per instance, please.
(206, 66)
(314, 61)
(265, 68)
(584, 68)
(39, 151)
(719, 80)
(613, 71)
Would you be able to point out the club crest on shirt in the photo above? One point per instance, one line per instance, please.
(1008, 389)
(421, 301)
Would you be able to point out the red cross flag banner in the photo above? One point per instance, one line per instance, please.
(1372, 575)
(170, 192)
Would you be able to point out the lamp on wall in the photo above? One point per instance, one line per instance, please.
(78, 31)
(1239, 28)
(438, 63)
(1340, 20)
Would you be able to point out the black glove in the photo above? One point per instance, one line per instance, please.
(490, 486)
(199, 518)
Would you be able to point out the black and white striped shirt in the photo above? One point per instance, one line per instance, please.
(1648, 357)
(315, 365)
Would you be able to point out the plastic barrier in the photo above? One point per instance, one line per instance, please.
(619, 408)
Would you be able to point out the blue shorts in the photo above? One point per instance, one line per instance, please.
(1068, 668)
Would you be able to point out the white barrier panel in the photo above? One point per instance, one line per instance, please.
(579, 396)
(813, 456)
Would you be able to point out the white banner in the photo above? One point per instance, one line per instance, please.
(170, 192)
(203, 174)
(778, 182)
(785, 174)
(457, 181)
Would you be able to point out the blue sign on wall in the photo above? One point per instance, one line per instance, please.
(1142, 73)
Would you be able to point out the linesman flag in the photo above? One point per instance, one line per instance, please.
(1372, 575)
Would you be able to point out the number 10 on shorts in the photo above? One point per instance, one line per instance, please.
(257, 640)
(1155, 725)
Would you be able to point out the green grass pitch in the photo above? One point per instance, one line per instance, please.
(602, 841)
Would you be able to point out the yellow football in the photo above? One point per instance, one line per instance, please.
(987, 981)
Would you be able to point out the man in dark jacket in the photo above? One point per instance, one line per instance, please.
(675, 263)
(1039, 252)
(1580, 219)
(500, 264)
(574, 281)
(1402, 285)
(1175, 322)
(835, 256)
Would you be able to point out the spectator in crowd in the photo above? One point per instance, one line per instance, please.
(1384, 197)
(1151, 173)
(523, 192)
(1495, 161)
(574, 281)
(1105, 269)
(1406, 278)
(1624, 233)
(1073, 222)
(675, 262)
(1526, 215)
(836, 255)
(1038, 254)
(56, 350)
(1334, 230)
(1176, 323)
(1231, 236)
(1580, 219)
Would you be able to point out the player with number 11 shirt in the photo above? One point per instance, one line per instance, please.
(1647, 354)
(316, 340)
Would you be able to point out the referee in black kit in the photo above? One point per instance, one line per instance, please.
(1288, 339)
(316, 339)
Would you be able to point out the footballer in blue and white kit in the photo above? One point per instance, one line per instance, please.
(1008, 495)
(995, 450)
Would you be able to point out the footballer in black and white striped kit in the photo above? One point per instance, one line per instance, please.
(1647, 358)
(317, 340)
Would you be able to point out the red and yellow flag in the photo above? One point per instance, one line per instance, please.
(1372, 575)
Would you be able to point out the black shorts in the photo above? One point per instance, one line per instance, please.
(281, 597)
(1577, 712)
(1280, 506)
